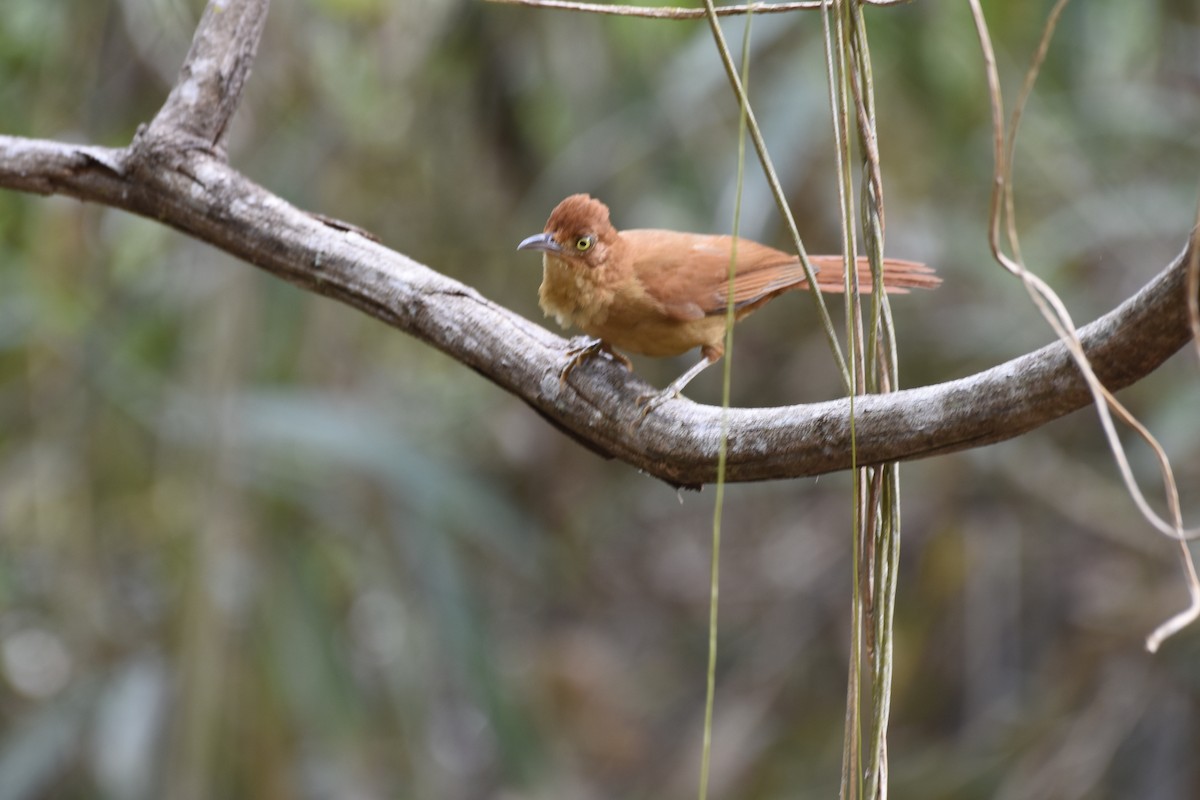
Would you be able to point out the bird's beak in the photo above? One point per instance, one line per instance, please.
(540, 241)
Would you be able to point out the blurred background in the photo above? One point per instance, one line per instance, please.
(255, 544)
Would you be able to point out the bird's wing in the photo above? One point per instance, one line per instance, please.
(688, 274)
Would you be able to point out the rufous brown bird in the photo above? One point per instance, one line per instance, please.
(662, 293)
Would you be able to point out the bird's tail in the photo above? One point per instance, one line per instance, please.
(899, 276)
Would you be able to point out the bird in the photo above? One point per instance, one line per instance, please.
(661, 293)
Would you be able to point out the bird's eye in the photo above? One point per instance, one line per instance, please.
(584, 243)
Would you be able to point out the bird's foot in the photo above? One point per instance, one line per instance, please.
(585, 347)
(649, 402)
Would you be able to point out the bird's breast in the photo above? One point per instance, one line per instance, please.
(573, 296)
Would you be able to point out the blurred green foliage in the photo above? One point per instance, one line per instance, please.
(258, 545)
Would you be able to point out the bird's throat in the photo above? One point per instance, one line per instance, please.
(572, 294)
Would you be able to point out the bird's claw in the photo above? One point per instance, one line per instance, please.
(584, 347)
(649, 402)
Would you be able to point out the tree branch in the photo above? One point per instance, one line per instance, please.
(173, 172)
(206, 94)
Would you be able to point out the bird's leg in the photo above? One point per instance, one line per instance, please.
(710, 355)
(585, 347)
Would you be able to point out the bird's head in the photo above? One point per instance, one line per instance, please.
(578, 233)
